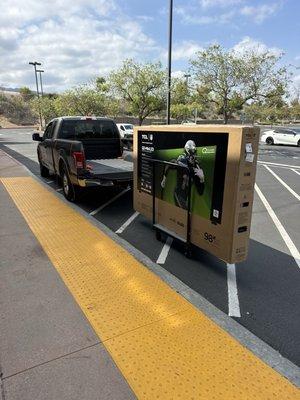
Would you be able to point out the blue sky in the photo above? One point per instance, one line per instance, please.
(77, 40)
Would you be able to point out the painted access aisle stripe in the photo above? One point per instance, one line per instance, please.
(165, 348)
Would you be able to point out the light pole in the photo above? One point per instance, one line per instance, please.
(169, 62)
(35, 63)
(41, 83)
(187, 76)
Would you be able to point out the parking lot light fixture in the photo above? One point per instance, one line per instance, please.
(35, 63)
(187, 76)
(41, 83)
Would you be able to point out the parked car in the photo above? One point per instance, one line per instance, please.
(126, 130)
(281, 136)
(83, 152)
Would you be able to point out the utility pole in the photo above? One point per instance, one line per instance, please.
(169, 62)
(41, 83)
(35, 63)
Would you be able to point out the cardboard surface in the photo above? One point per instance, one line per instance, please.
(222, 168)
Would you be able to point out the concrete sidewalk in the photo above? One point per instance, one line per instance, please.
(48, 350)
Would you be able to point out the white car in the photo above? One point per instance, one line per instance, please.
(126, 130)
(281, 136)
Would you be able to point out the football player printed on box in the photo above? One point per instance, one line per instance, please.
(190, 160)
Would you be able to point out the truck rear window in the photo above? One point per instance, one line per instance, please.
(88, 129)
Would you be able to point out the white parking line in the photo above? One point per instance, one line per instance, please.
(49, 182)
(109, 202)
(233, 298)
(297, 172)
(59, 190)
(278, 165)
(283, 183)
(285, 236)
(128, 222)
(165, 251)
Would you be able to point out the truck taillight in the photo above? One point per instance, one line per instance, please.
(79, 159)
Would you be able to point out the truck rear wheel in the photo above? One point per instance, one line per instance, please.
(69, 190)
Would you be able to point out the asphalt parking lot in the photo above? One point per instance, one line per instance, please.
(267, 297)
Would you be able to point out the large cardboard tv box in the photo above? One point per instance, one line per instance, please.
(222, 163)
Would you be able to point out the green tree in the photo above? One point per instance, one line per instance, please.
(254, 112)
(232, 79)
(180, 92)
(82, 100)
(26, 93)
(295, 109)
(141, 86)
(47, 105)
(180, 111)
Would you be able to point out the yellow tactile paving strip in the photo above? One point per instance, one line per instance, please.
(165, 348)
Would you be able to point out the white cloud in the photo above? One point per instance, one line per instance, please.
(225, 11)
(178, 74)
(261, 12)
(185, 50)
(219, 3)
(73, 40)
(145, 18)
(247, 44)
(190, 17)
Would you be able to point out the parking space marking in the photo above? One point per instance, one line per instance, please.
(49, 182)
(297, 172)
(165, 251)
(283, 183)
(233, 298)
(278, 164)
(285, 236)
(59, 190)
(109, 201)
(128, 222)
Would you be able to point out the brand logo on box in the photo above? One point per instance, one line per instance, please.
(205, 150)
(147, 137)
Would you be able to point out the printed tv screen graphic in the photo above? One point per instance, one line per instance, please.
(203, 155)
(172, 182)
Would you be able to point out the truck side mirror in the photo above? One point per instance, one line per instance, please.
(36, 137)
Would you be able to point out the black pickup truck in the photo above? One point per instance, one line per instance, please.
(83, 152)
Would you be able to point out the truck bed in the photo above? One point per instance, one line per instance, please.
(113, 169)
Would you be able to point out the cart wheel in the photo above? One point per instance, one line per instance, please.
(188, 251)
(158, 235)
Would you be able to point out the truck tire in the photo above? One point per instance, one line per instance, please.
(70, 191)
(44, 172)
